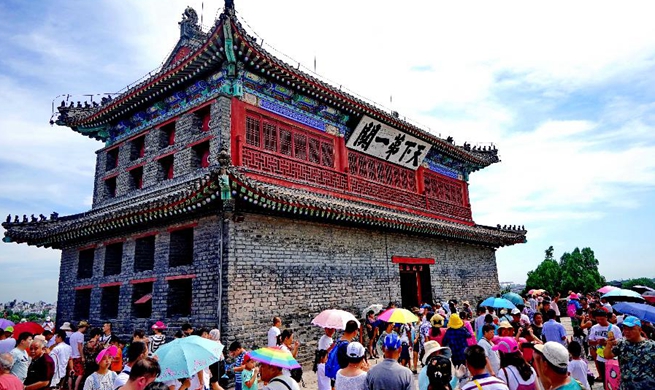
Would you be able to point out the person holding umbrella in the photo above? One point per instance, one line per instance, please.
(272, 360)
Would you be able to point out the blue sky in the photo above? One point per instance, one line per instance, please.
(566, 91)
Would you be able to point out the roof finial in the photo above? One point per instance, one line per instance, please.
(229, 6)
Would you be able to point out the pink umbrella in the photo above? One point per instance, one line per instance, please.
(606, 289)
(333, 318)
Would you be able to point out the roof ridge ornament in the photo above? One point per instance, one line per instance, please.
(189, 27)
(229, 7)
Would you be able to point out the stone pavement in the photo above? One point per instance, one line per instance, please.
(309, 377)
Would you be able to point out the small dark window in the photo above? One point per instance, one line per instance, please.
(137, 148)
(110, 187)
(109, 301)
(82, 304)
(252, 131)
(113, 258)
(112, 159)
(142, 300)
(202, 155)
(85, 263)
(205, 116)
(314, 151)
(270, 136)
(179, 297)
(136, 175)
(285, 142)
(327, 154)
(168, 134)
(144, 254)
(167, 164)
(300, 146)
(181, 248)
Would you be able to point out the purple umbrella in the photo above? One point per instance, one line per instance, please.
(4, 323)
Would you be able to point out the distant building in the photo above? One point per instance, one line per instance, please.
(233, 187)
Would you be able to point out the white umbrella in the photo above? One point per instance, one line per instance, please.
(375, 307)
(333, 318)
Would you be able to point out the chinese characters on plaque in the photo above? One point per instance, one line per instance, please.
(379, 140)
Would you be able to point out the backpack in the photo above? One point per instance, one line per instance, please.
(439, 372)
(519, 386)
(332, 365)
(571, 309)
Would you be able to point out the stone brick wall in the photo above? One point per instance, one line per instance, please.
(204, 270)
(188, 131)
(295, 269)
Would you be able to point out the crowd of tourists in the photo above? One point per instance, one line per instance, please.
(451, 346)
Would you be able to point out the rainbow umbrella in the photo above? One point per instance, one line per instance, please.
(398, 316)
(274, 356)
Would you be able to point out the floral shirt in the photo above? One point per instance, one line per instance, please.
(637, 363)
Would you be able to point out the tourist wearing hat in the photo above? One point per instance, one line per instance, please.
(551, 362)
(353, 376)
(598, 334)
(514, 370)
(636, 356)
(158, 339)
(48, 324)
(456, 339)
(272, 375)
(249, 373)
(436, 332)
(389, 374)
(438, 357)
(103, 378)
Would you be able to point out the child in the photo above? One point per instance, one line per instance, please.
(323, 381)
(117, 361)
(578, 367)
(249, 374)
(580, 338)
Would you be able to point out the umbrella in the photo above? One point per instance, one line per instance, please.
(639, 310)
(31, 327)
(623, 295)
(536, 291)
(4, 323)
(274, 356)
(641, 289)
(498, 303)
(514, 298)
(181, 358)
(606, 289)
(649, 296)
(375, 307)
(333, 318)
(398, 316)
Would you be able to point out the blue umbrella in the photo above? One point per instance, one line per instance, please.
(497, 303)
(181, 358)
(622, 295)
(639, 310)
(514, 298)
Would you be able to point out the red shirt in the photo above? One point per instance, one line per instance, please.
(10, 382)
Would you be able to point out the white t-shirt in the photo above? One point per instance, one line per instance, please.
(272, 336)
(578, 370)
(494, 358)
(96, 381)
(61, 353)
(323, 381)
(514, 378)
(598, 332)
(76, 339)
(324, 342)
(488, 383)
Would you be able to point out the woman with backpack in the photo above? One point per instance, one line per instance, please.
(514, 370)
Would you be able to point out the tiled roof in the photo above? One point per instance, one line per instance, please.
(198, 193)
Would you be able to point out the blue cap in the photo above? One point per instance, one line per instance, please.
(631, 321)
(392, 342)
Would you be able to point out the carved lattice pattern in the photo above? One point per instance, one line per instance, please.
(381, 172)
(445, 190)
(280, 165)
(278, 137)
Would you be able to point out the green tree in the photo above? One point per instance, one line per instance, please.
(546, 276)
(579, 271)
(638, 282)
